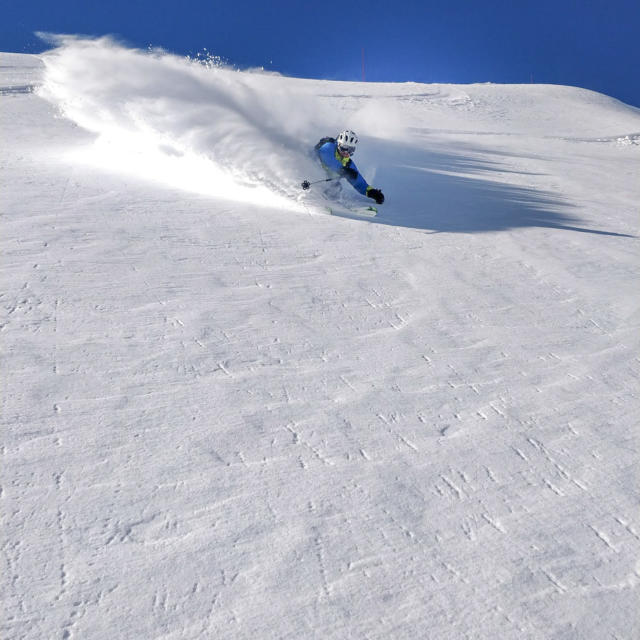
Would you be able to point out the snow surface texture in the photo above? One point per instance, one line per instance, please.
(225, 416)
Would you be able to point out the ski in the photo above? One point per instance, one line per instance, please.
(366, 211)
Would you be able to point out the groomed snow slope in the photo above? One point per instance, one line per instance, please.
(227, 416)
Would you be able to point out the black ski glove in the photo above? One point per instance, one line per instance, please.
(376, 195)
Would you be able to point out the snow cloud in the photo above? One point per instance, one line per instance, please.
(209, 129)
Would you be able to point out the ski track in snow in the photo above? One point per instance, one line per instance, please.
(224, 416)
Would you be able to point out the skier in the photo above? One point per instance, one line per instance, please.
(335, 157)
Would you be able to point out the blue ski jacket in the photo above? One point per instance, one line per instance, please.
(334, 163)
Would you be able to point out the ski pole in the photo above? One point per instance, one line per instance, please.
(306, 184)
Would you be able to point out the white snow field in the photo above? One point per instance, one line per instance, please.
(227, 415)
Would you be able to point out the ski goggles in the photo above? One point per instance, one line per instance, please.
(348, 151)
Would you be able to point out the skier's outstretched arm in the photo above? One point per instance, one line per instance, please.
(356, 180)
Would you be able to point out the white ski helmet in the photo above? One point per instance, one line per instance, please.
(347, 141)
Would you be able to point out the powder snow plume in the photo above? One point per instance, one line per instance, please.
(213, 130)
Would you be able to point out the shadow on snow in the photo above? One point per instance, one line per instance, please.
(425, 190)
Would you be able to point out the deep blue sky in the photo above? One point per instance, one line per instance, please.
(587, 43)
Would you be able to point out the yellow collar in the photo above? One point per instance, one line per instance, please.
(343, 161)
